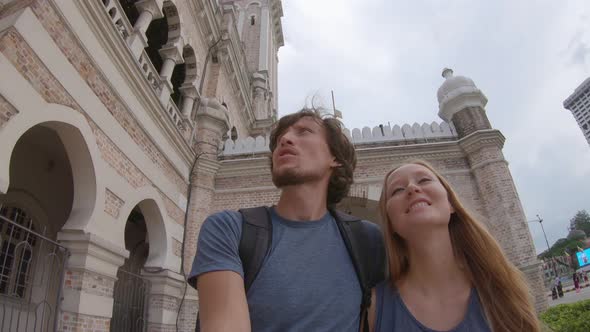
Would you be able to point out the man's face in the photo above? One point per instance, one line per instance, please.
(302, 154)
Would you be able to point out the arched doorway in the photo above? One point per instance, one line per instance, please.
(132, 290)
(33, 210)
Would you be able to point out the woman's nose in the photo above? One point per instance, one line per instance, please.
(413, 188)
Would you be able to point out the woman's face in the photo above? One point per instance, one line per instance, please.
(416, 200)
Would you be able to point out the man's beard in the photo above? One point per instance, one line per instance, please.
(291, 177)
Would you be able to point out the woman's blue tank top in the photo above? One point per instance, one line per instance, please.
(393, 315)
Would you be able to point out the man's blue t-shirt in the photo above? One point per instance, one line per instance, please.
(307, 282)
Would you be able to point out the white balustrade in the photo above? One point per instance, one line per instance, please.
(174, 113)
(150, 72)
(117, 15)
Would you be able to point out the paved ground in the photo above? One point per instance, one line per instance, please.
(571, 297)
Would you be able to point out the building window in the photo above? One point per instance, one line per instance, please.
(252, 20)
(234, 134)
(16, 252)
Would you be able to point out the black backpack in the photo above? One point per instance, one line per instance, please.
(365, 248)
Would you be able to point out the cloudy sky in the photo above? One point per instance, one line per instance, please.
(384, 58)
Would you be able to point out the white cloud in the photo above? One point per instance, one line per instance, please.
(383, 60)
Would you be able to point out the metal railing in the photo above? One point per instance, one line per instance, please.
(32, 270)
(131, 298)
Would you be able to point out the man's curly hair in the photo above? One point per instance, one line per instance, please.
(340, 146)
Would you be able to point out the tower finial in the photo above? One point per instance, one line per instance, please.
(447, 72)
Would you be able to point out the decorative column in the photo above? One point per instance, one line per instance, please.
(264, 39)
(89, 281)
(259, 85)
(149, 10)
(172, 55)
(463, 104)
(211, 124)
(189, 94)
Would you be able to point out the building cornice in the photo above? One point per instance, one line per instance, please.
(476, 140)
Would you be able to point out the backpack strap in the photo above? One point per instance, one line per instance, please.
(367, 253)
(255, 242)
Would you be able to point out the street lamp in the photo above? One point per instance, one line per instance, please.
(540, 221)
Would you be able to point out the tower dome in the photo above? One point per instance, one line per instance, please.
(457, 93)
(453, 83)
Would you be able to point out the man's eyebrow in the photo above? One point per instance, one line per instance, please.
(310, 125)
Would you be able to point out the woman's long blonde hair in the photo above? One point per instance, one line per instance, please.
(501, 287)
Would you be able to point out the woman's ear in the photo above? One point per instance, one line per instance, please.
(335, 163)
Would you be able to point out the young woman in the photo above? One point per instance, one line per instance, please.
(576, 280)
(447, 273)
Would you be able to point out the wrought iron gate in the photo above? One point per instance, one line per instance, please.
(131, 296)
(31, 274)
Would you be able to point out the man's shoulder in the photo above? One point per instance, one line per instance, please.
(226, 215)
(225, 219)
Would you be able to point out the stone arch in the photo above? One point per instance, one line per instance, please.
(191, 65)
(254, 3)
(131, 291)
(174, 22)
(79, 143)
(149, 202)
(184, 75)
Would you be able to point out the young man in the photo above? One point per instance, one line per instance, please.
(307, 281)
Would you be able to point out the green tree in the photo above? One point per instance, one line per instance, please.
(581, 221)
(561, 246)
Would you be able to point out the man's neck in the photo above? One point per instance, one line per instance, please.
(303, 202)
(434, 271)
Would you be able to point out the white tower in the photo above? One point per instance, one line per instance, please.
(261, 32)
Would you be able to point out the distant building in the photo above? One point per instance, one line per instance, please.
(556, 266)
(579, 104)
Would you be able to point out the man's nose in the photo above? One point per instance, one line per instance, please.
(286, 138)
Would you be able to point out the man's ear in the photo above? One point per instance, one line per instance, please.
(335, 163)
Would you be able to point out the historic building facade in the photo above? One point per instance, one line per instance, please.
(124, 123)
